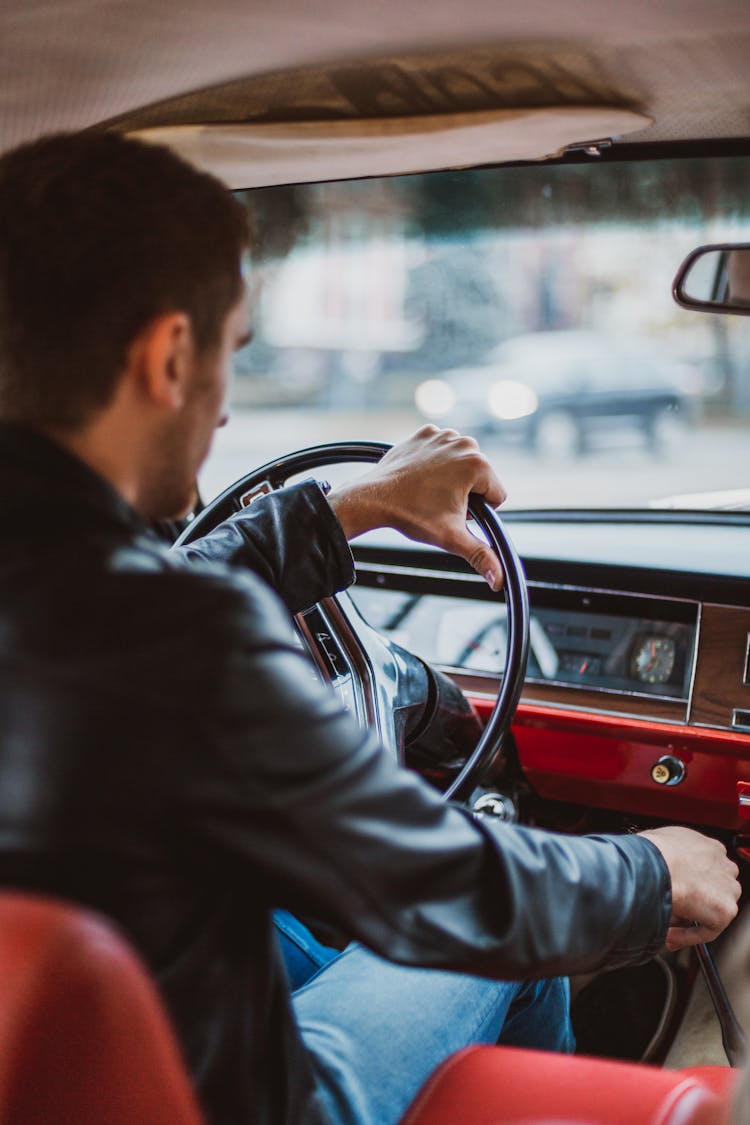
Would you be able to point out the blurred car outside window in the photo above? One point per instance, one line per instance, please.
(528, 305)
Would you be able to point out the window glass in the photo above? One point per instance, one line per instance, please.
(529, 306)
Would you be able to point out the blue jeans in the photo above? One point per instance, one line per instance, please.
(375, 1031)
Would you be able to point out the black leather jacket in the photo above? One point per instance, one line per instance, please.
(167, 757)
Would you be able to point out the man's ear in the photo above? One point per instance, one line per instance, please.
(161, 359)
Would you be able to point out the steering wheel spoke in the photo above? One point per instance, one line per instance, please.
(345, 660)
(349, 653)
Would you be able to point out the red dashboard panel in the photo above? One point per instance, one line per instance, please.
(607, 762)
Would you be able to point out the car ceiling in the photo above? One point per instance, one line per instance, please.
(681, 66)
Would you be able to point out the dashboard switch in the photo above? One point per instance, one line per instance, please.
(741, 719)
(668, 771)
(743, 799)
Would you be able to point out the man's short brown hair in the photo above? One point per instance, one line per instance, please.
(99, 235)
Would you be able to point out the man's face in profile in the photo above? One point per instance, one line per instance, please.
(187, 437)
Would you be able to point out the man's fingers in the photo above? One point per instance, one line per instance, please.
(421, 487)
(479, 556)
(680, 937)
(477, 470)
(487, 483)
(705, 884)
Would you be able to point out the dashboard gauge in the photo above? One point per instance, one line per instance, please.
(580, 664)
(653, 660)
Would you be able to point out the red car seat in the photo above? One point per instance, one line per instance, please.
(83, 1038)
(84, 1041)
(510, 1086)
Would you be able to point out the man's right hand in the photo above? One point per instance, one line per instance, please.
(705, 887)
(421, 487)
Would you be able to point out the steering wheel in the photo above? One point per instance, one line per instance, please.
(351, 640)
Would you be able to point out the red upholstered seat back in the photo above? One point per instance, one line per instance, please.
(83, 1038)
(84, 1041)
(510, 1086)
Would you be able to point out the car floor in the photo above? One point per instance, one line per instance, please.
(698, 1040)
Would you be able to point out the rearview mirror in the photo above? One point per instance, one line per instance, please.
(715, 279)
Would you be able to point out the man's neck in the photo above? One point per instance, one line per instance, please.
(105, 453)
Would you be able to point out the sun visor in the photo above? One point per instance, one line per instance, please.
(261, 155)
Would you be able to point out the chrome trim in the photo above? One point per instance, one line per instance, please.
(746, 669)
(311, 646)
(263, 489)
(620, 693)
(616, 593)
(696, 646)
(725, 729)
(356, 653)
(355, 656)
(421, 572)
(464, 678)
(743, 727)
(603, 713)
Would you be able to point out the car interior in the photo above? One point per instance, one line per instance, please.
(530, 223)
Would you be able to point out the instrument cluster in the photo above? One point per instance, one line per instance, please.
(579, 637)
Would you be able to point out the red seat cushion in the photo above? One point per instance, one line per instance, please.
(720, 1079)
(83, 1038)
(509, 1086)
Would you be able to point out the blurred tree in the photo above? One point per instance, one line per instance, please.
(454, 299)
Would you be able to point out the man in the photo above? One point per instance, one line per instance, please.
(165, 755)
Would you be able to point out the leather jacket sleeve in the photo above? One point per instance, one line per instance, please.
(290, 538)
(336, 828)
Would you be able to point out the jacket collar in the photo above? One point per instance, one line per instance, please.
(54, 472)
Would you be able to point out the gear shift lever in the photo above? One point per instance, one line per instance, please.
(732, 1035)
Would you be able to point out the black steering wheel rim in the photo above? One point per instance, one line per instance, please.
(275, 474)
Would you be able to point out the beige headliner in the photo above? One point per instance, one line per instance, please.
(133, 65)
(258, 155)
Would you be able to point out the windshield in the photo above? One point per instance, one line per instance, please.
(530, 306)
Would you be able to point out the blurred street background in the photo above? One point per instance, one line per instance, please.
(692, 458)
